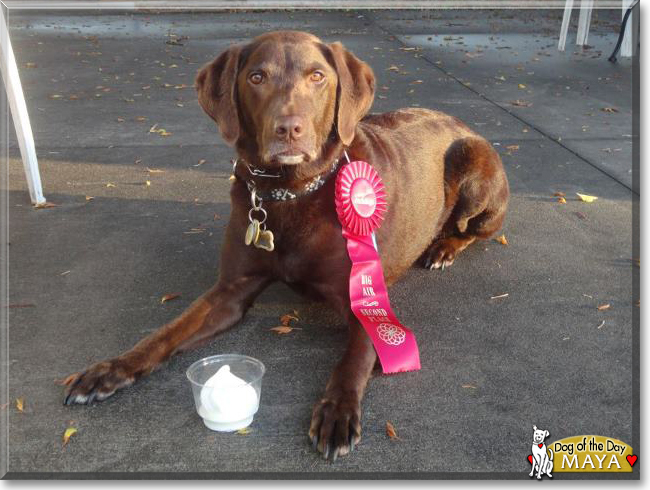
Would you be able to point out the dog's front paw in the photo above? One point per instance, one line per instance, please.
(98, 382)
(336, 425)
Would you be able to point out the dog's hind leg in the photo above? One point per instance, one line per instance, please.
(476, 198)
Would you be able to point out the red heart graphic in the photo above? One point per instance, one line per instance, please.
(530, 458)
(540, 445)
(631, 458)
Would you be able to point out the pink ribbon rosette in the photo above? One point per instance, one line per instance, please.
(361, 205)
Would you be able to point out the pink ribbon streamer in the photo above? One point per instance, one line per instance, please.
(395, 344)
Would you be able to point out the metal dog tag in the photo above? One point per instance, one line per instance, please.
(265, 240)
(252, 232)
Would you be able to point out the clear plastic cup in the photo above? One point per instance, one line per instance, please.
(233, 406)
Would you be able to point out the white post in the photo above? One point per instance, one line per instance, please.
(584, 21)
(626, 46)
(19, 113)
(568, 7)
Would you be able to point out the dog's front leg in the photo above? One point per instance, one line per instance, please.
(336, 419)
(214, 312)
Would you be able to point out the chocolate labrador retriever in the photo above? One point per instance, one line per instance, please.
(291, 104)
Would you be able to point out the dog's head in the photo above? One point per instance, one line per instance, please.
(539, 435)
(284, 95)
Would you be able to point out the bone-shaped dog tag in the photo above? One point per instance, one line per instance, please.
(265, 240)
(252, 232)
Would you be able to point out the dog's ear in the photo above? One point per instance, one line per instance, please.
(355, 91)
(546, 434)
(534, 427)
(215, 84)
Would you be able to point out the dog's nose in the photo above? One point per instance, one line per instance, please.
(290, 127)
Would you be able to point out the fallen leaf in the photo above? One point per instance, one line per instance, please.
(586, 198)
(55, 96)
(244, 432)
(284, 329)
(120, 119)
(65, 273)
(201, 162)
(155, 171)
(46, 205)
(392, 68)
(30, 65)
(67, 380)
(609, 109)
(504, 295)
(110, 184)
(20, 405)
(561, 200)
(415, 82)
(502, 240)
(604, 307)
(521, 86)
(141, 118)
(89, 198)
(390, 431)
(512, 147)
(69, 432)
(286, 319)
(602, 324)
(147, 183)
(169, 297)
(521, 103)
(468, 386)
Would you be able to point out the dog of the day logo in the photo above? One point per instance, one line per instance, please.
(582, 454)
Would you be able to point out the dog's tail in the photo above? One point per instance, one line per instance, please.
(550, 454)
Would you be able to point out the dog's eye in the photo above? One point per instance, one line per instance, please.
(256, 78)
(317, 76)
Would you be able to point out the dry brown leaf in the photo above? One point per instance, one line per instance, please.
(286, 319)
(155, 171)
(393, 68)
(390, 431)
(201, 162)
(502, 240)
(169, 297)
(67, 380)
(512, 147)
(561, 200)
(243, 432)
(89, 198)
(46, 205)
(283, 329)
(521, 103)
(110, 184)
(20, 405)
(69, 432)
(468, 386)
(604, 307)
(609, 109)
(521, 86)
(30, 65)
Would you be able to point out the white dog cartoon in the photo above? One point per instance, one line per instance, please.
(542, 460)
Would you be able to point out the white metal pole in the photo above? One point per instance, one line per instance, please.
(19, 113)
